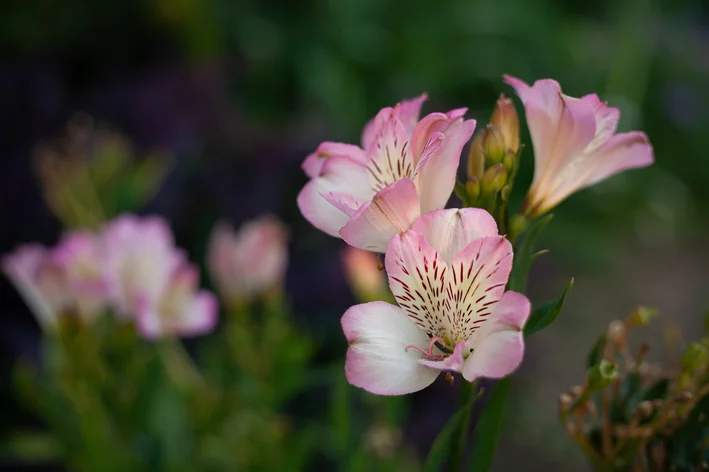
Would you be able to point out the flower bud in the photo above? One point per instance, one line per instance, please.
(695, 357)
(472, 187)
(602, 375)
(506, 122)
(248, 263)
(363, 275)
(493, 145)
(494, 179)
(641, 316)
(644, 409)
(476, 158)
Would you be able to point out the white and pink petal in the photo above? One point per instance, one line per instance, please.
(500, 348)
(381, 358)
(391, 212)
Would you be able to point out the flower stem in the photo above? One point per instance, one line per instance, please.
(466, 398)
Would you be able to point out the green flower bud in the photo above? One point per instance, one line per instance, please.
(494, 179)
(602, 375)
(476, 157)
(694, 358)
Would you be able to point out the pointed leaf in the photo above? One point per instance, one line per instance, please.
(546, 314)
(525, 254)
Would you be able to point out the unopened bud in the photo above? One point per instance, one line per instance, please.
(505, 193)
(617, 332)
(505, 120)
(602, 375)
(641, 316)
(565, 401)
(684, 396)
(645, 409)
(576, 391)
(472, 187)
(494, 179)
(493, 145)
(695, 357)
(476, 158)
(510, 162)
(362, 272)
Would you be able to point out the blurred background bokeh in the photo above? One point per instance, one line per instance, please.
(239, 92)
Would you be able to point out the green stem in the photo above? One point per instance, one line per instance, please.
(180, 365)
(489, 426)
(466, 399)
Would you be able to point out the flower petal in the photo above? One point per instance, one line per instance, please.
(318, 211)
(501, 347)
(392, 211)
(621, 152)
(453, 363)
(407, 111)
(417, 278)
(437, 172)
(199, 315)
(22, 267)
(475, 283)
(450, 231)
(315, 161)
(378, 359)
(390, 158)
(347, 204)
(561, 127)
(606, 121)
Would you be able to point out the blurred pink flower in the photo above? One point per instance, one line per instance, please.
(250, 262)
(405, 167)
(80, 258)
(448, 274)
(40, 284)
(362, 269)
(575, 145)
(152, 282)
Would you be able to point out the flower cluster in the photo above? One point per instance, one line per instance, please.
(131, 267)
(448, 269)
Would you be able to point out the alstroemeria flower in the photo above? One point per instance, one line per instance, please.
(249, 262)
(364, 273)
(81, 258)
(65, 280)
(405, 167)
(575, 145)
(40, 284)
(448, 274)
(152, 282)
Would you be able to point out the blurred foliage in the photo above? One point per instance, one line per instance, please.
(114, 402)
(90, 174)
(634, 415)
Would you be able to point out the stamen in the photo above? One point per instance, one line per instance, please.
(428, 354)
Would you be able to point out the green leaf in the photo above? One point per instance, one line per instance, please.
(447, 440)
(596, 353)
(546, 314)
(489, 426)
(525, 254)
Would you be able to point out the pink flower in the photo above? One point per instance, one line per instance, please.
(250, 262)
(38, 281)
(152, 282)
(65, 280)
(80, 258)
(405, 167)
(183, 309)
(575, 145)
(448, 274)
(362, 269)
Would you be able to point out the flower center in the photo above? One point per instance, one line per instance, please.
(429, 353)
